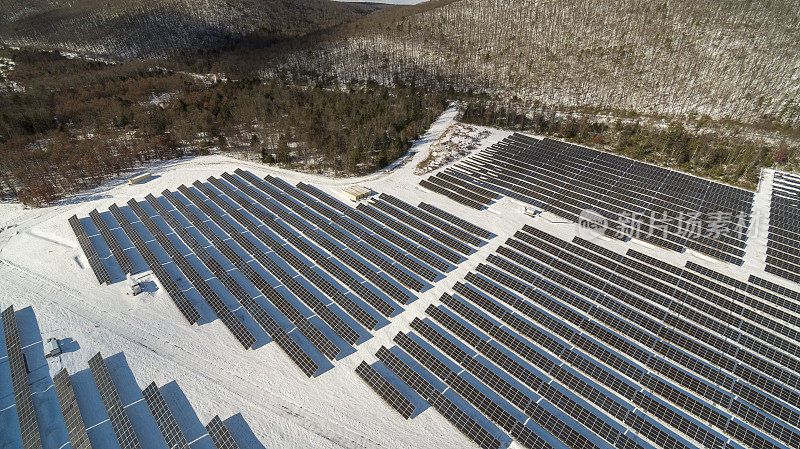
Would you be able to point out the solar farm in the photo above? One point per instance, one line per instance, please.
(439, 311)
(153, 415)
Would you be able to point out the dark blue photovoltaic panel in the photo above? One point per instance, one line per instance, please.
(116, 411)
(220, 435)
(19, 382)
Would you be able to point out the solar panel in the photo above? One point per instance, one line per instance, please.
(234, 325)
(284, 341)
(642, 426)
(331, 291)
(339, 326)
(463, 422)
(328, 233)
(638, 200)
(567, 378)
(335, 233)
(317, 338)
(460, 179)
(320, 259)
(460, 222)
(779, 289)
(750, 438)
(385, 390)
(438, 186)
(164, 418)
(478, 369)
(783, 237)
(184, 306)
(419, 226)
(432, 220)
(111, 241)
(78, 437)
(671, 392)
(220, 435)
(761, 422)
(377, 244)
(361, 217)
(91, 255)
(116, 411)
(19, 382)
(470, 393)
(372, 243)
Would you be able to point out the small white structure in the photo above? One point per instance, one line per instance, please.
(136, 288)
(52, 348)
(139, 179)
(356, 193)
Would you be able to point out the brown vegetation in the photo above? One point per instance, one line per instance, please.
(78, 123)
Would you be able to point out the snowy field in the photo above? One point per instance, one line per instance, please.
(260, 394)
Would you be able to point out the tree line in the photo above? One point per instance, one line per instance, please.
(77, 123)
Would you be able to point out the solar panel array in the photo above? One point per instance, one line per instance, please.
(330, 270)
(95, 263)
(220, 435)
(234, 325)
(164, 419)
(77, 432)
(570, 340)
(783, 244)
(186, 308)
(78, 437)
(657, 205)
(112, 243)
(385, 390)
(19, 382)
(460, 419)
(284, 341)
(457, 221)
(461, 188)
(116, 411)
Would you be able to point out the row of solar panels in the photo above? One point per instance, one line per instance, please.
(455, 185)
(619, 198)
(76, 430)
(350, 269)
(664, 207)
(581, 346)
(95, 264)
(783, 242)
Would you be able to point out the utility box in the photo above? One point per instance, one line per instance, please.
(356, 193)
(134, 285)
(140, 179)
(52, 348)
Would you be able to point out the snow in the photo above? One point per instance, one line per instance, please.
(260, 394)
(458, 141)
(6, 66)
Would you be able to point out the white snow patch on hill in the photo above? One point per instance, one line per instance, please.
(458, 141)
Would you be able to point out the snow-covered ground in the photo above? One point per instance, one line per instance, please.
(41, 265)
(458, 141)
(6, 66)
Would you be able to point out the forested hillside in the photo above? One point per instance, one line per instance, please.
(136, 28)
(735, 59)
(72, 124)
(707, 87)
